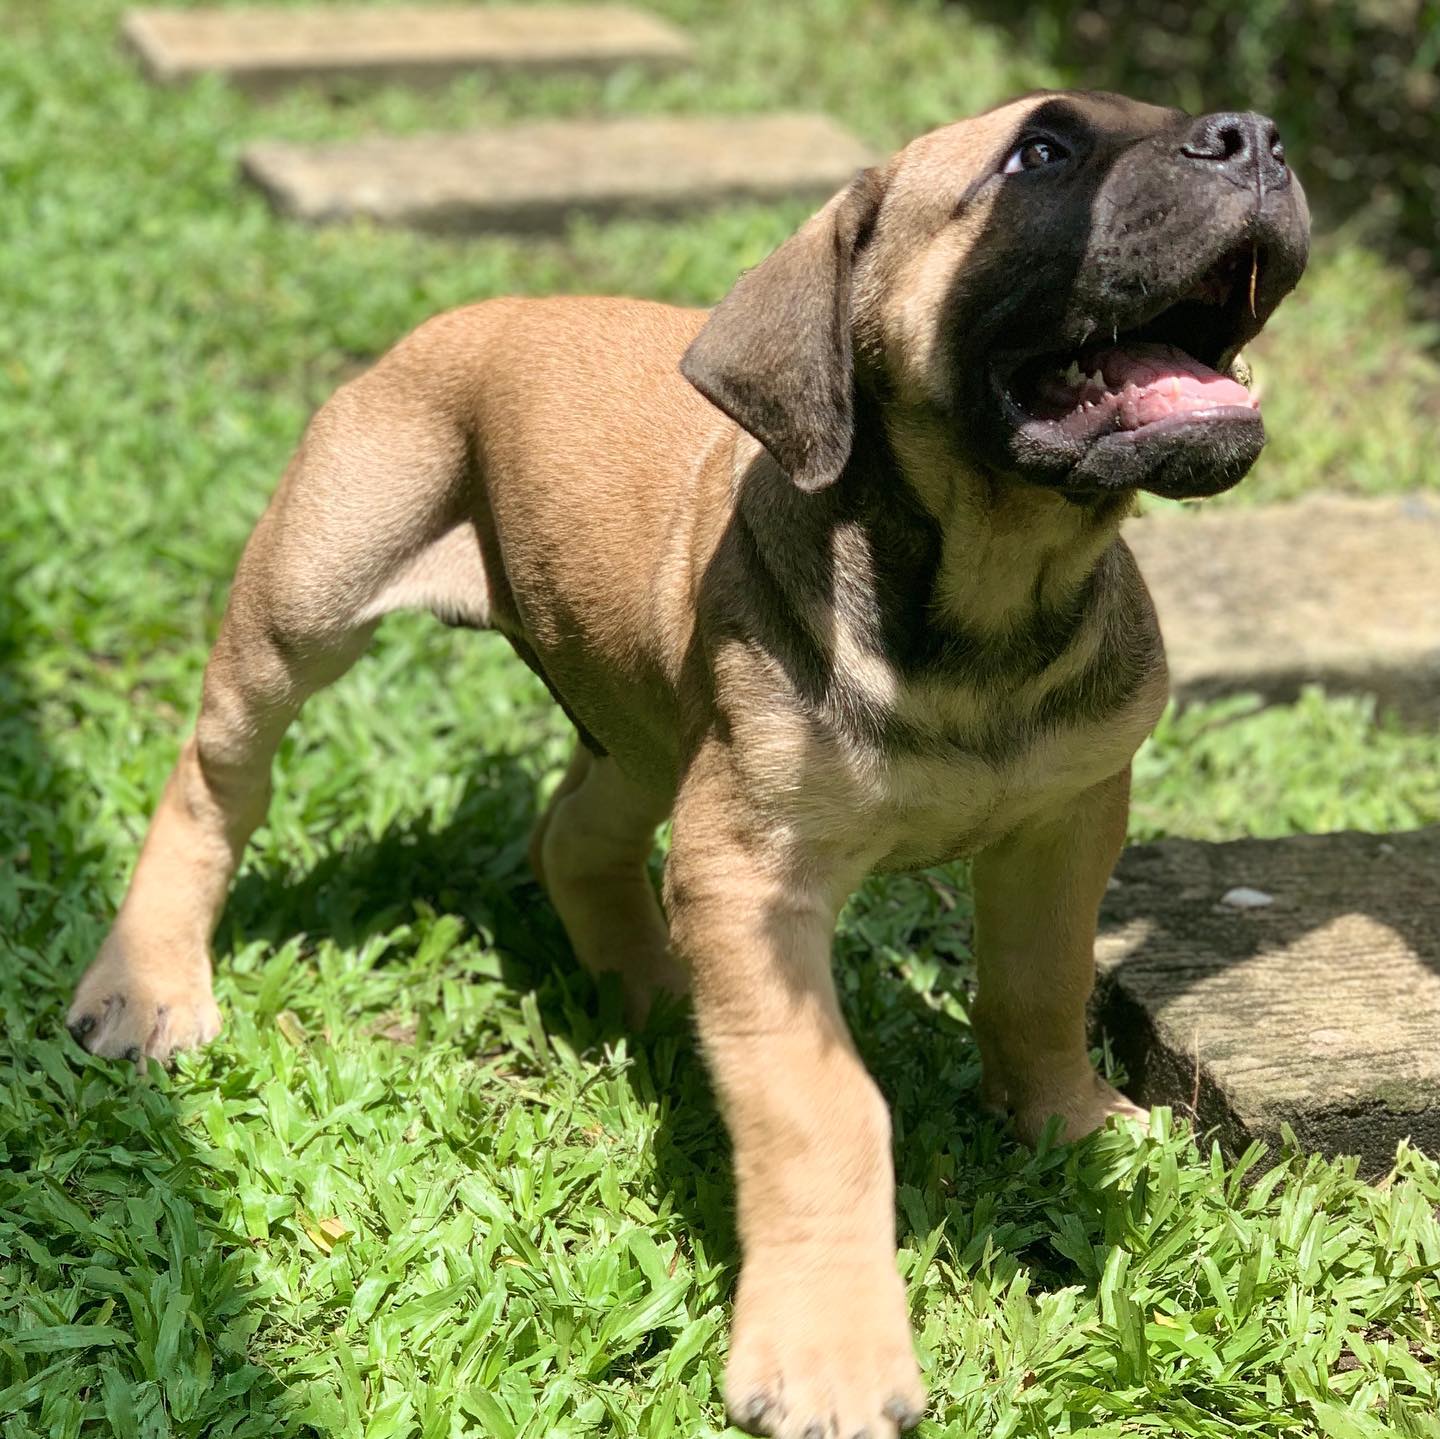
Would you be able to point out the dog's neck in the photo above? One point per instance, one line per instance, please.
(920, 560)
(1008, 550)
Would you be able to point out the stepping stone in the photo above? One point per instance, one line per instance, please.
(536, 177)
(1292, 981)
(264, 50)
(1341, 591)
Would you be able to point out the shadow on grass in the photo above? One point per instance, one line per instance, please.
(473, 865)
(125, 1310)
(964, 1183)
(108, 1198)
(950, 1156)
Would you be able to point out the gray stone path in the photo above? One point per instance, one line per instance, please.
(1320, 1008)
(264, 50)
(1344, 591)
(535, 177)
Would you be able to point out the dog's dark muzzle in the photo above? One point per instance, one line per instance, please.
(1193, 238)
(1210, 217)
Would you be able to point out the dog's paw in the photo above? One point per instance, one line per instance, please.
(1090, 1106)
(127, 1010)
(821, 1349)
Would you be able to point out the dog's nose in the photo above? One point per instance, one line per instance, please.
(1241, 144)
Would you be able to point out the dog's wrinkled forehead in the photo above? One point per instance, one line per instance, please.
(935, 231)
(931, 175)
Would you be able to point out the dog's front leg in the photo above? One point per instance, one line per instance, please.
(821, 1339)
(1037, 896)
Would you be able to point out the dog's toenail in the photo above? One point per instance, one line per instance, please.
(81, 1027)
(902, 1413)
(133, 1054)
(750, 1413)
(813, 1430)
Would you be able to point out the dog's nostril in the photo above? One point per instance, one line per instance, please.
(1222, 138)
(1232, 142)
(1235, 142)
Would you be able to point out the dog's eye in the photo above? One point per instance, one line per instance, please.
(1033, 154)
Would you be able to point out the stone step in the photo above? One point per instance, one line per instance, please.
(1343, 591)
(264, 50)
(1319, 1008)
(536, 177)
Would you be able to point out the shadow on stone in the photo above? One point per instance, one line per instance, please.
(1313, 1002)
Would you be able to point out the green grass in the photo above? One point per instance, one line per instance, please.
(1234, 767)
(425, 1185)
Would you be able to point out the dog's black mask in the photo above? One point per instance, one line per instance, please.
(1126, 256)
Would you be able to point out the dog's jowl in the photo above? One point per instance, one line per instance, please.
(832, 575)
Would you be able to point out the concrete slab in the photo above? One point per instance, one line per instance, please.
(1312, 1000)
(1342, 591)
(536, 177)
(264, 50)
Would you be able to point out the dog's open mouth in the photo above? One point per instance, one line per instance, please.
(1127, 386)
(1176, 365)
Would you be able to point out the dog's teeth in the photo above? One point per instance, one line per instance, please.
(1072, 375)
(1097, 379)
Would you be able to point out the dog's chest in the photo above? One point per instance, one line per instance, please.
(968, 770)
(930, 807)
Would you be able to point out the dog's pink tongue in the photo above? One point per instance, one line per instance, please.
(1150, 382)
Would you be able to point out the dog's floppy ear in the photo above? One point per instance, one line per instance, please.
(776, 354)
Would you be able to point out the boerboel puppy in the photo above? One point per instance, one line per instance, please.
(831, 575)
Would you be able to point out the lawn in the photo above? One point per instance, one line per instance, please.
(425, 1184)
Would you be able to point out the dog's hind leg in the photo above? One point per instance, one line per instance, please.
(370, 518)
(590, 850)
(570, 781)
